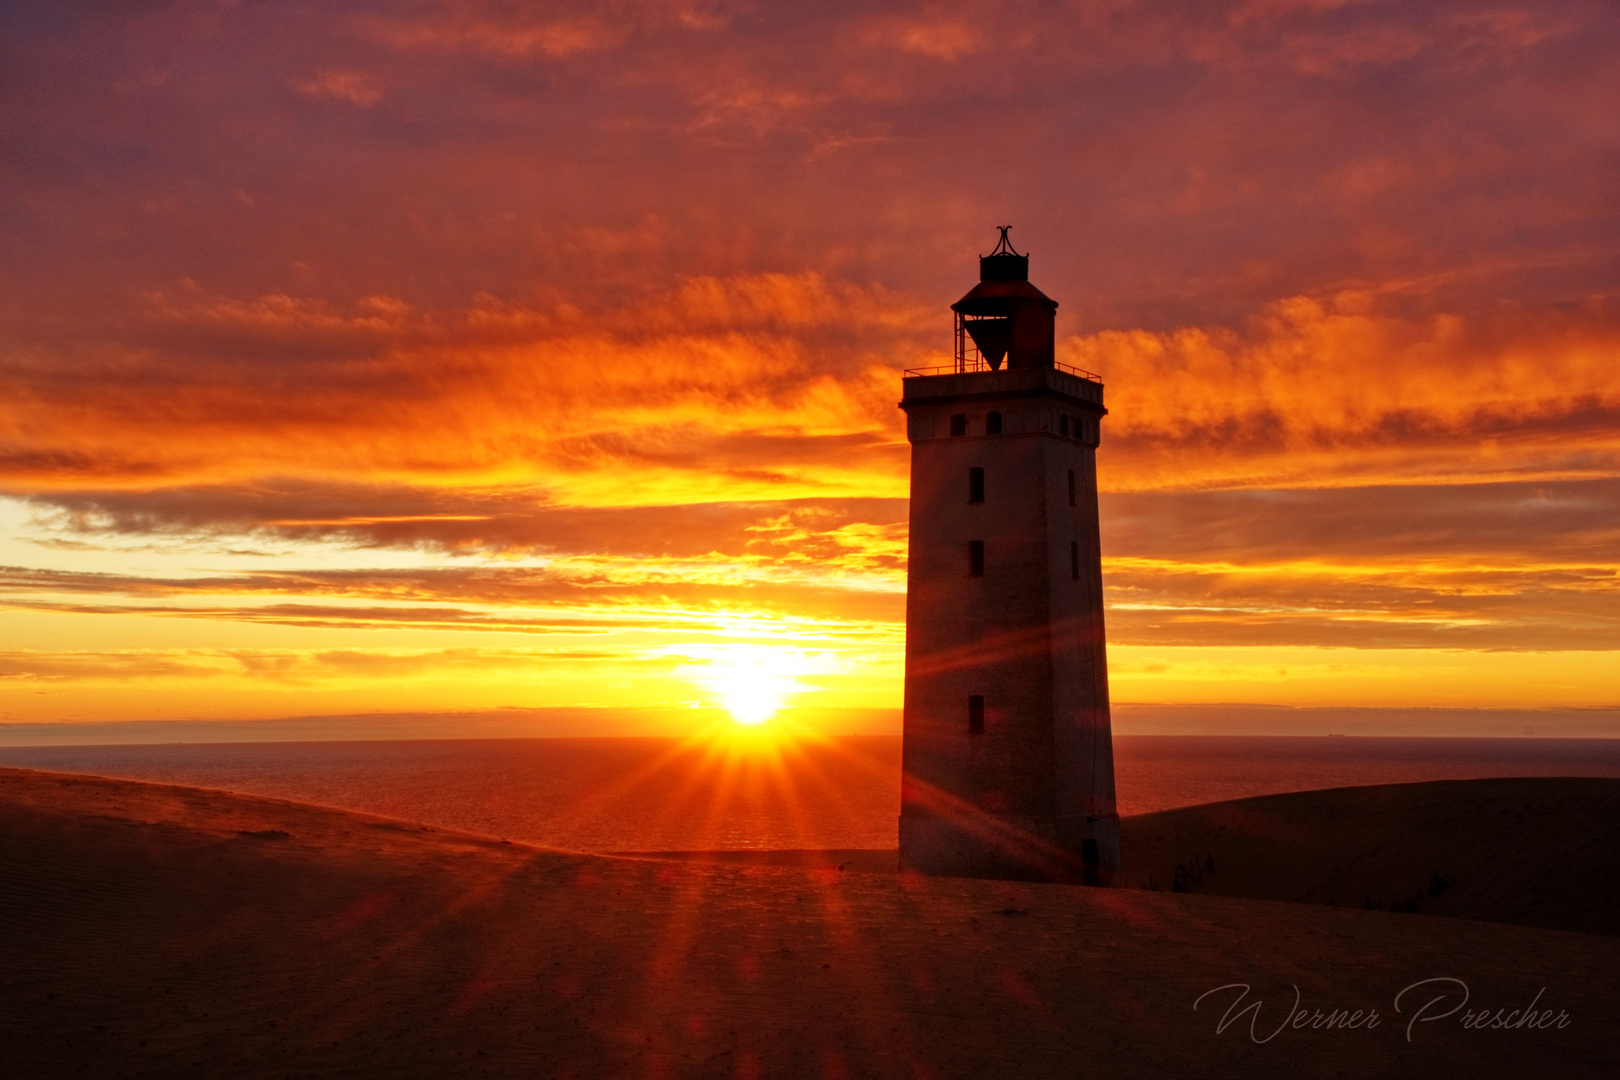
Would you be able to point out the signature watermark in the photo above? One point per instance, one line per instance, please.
(1423, 1002)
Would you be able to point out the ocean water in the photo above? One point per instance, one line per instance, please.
(669, 795)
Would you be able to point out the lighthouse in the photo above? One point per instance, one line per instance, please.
(1008, 751)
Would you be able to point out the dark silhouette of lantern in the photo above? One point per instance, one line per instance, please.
(1005, 317)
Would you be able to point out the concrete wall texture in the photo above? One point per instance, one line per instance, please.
(1031, 795)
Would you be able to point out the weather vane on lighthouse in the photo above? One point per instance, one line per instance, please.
(1008, 749)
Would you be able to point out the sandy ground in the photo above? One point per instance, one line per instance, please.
(158, 931)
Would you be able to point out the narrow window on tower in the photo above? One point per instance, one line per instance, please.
(976, 714)
(1071, 487)
(975, 485)
(1063, 425)
(975, 558)
(959, 424)
(992, 424)
(1074, 561)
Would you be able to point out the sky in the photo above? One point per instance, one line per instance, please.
(452, 356)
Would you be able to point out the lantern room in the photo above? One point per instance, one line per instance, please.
(1004, 319)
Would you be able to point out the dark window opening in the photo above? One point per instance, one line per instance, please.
(992, 424)
(1063, 425)
(975, 485)
(976, 715)
(1071, 487)
(975, 558)
(1074, 561)
(959, 424)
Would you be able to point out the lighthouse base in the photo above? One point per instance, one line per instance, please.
(1075, 850)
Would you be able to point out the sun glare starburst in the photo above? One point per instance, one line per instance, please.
(753, 682)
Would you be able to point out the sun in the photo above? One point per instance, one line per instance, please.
(751, 692)
(754, 682)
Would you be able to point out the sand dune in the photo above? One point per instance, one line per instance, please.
(158, 931)
(1537, 852)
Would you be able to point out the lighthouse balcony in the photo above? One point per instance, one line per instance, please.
(928, 385)
(975, 362)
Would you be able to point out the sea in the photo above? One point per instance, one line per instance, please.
(665, 794)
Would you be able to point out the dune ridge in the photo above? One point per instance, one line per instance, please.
(1534, 851)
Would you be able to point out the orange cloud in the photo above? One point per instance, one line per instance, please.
(1333, 393)
(945, 39)
(774, 386)
(475, 27)
(688, 388)
(357, 88)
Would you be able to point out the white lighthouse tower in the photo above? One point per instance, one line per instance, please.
(1008, 752)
